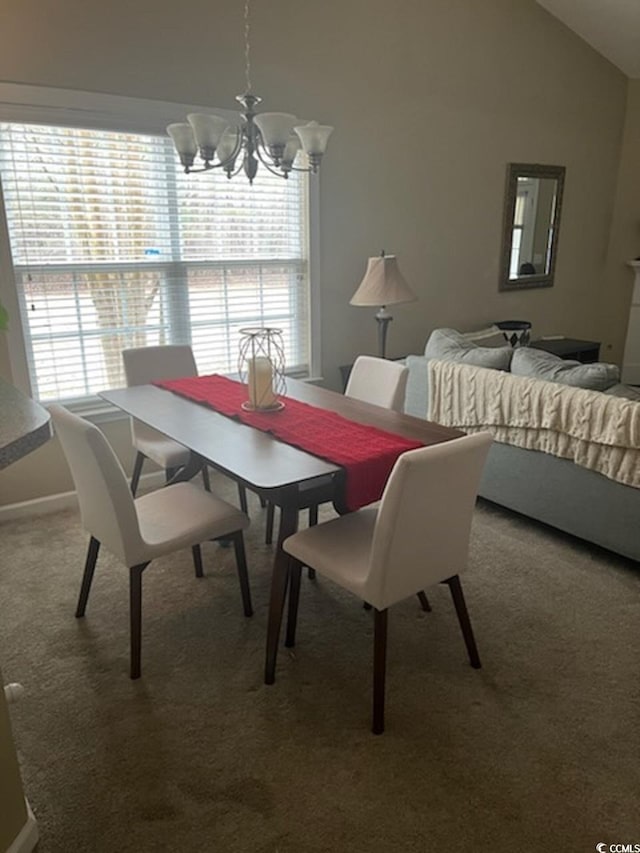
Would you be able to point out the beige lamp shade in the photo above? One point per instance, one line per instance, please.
(383, 284)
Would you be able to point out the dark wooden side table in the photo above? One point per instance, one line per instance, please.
(585, 351)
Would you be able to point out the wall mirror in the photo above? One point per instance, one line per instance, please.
(531, 227)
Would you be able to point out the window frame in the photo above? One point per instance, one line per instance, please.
(96, 111)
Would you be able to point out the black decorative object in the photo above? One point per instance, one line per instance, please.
(516, 332)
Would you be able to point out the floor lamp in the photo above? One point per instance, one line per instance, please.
(383, 284)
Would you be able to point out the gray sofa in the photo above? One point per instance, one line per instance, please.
(547, 488)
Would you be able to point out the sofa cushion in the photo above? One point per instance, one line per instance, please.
(627, 391)
(450, 345)
(536, 363)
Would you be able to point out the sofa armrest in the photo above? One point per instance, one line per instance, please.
(416, 401)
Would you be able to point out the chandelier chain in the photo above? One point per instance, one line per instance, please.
(247, 45)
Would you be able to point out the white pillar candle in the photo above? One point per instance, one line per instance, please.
(260, 383)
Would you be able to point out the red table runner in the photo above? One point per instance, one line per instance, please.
(366, 453)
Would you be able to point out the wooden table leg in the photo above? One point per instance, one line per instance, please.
(193, 467)
(279, 581)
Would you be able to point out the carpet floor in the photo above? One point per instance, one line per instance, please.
(538, 750)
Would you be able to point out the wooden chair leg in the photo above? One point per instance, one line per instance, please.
(135, 616)
(87, 577)
(379, 669)
(271, 511)
(313, 520)
(243, 576)
(263, 502)
(137, 470)
(205, 478)
(295, 572)
(424, 601)
(242, 498)
(197, 560)
(463, 617)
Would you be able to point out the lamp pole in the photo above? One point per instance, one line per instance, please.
(383, 319)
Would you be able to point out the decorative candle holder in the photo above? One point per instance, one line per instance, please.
(261, 368)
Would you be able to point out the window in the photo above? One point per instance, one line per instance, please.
(523, 225)
(114, 247)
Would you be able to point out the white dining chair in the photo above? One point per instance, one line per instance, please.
(378, 381)
(139, 530)
(143, 365)
(416, 537)
(372, 380)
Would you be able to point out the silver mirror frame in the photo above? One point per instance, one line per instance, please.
(528, 170)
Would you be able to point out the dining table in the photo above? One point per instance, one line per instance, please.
(278, 472)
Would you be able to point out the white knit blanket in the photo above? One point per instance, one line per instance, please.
(594, 430)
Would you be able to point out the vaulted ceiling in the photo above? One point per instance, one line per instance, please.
(612, 27)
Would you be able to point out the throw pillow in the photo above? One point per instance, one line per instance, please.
(491, 336)
(627, 391)
(529, 361)
(450, 345)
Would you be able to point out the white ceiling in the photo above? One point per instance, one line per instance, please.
(612, 27)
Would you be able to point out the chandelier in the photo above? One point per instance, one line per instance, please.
(273, 139)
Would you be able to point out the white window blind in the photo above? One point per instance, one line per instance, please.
(114, 247)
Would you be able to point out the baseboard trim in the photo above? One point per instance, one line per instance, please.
(39, 506)
(63, 500)
(28, 836)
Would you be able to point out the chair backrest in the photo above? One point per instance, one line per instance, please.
(146, 364)
(378, 381)
(106, 505)
(424, 520)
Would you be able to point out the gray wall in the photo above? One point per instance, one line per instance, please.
(430, 100)
(625, 231)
